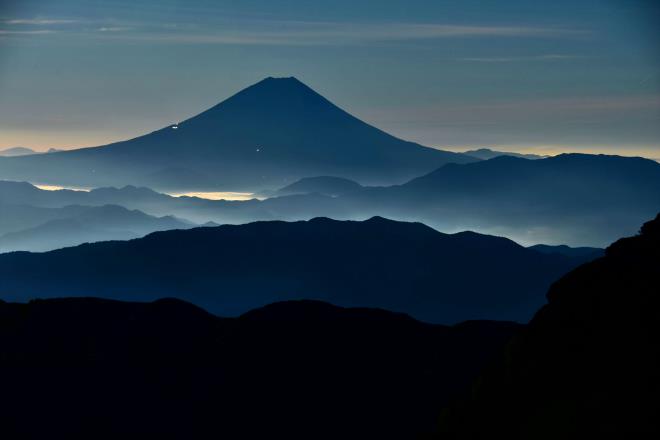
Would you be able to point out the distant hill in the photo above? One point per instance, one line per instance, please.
(266, 136)
(406, 267)
(579, 252)
(574, 199)
(487, 153)
(16, 151)
(294, 207)
(326, 185)
(92, 368)
(27, 228)
(588, 364)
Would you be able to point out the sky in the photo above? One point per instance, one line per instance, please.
(521, 75)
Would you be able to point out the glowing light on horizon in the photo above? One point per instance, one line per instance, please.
(209, 195)
(217, 195)
(59, 188)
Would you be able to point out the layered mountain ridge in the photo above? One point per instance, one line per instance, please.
(404, 267)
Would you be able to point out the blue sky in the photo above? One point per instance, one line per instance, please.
(522, 75)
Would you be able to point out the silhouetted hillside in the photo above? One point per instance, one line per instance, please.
(405, 267)
(327, 185)
(487, 153)
(579, 252)
(588, 364)
(92, 368)
(267, 135)
(29, 228)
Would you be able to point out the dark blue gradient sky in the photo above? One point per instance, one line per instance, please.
(529, 75)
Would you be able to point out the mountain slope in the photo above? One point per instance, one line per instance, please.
(29, 228)
(580, 252)
(91, 368)
(576, 199)
(587, 366)
(487, 153)
(405, 267)
(327, 185)
(269, 134)
(294, 207)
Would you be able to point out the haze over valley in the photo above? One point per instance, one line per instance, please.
(351, 220)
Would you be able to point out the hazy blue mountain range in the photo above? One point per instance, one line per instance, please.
(573, 199)
(171, 370)
(266, 136)
(487, 153)
(294, 207)
(406, 267)
(29, 228)
(587, 365)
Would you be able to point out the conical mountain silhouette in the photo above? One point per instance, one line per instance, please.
(269, 134)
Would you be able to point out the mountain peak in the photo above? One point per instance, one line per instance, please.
(281, 79)
(273, 132)
(287, 84)
(270, 99)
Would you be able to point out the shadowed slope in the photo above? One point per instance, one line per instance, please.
(587, 366)
(28, 228)
(579, 252)
(90, 368)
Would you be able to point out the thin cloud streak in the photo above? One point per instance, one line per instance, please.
(35, 32)
(295, 33)
(549, 57)
(38, 22)
(321, 33)
(113, 29)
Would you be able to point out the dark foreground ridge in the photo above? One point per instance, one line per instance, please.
(588, 364)
(93, 368)
(405, 267)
